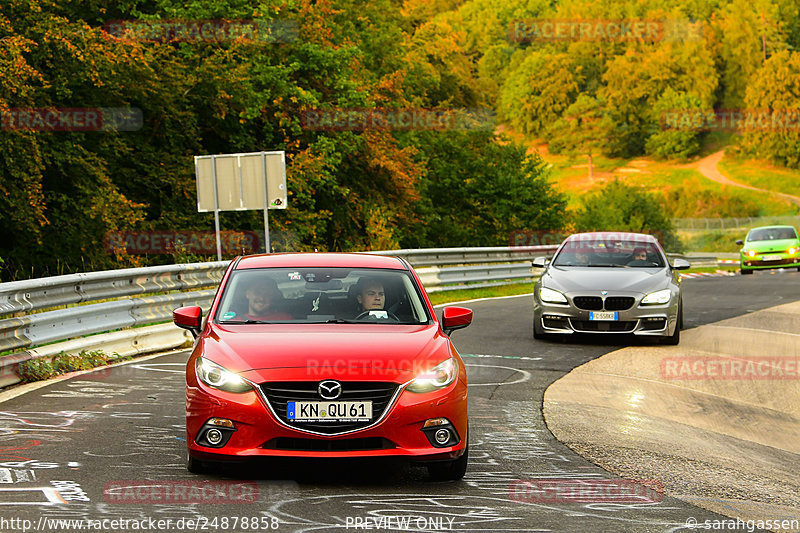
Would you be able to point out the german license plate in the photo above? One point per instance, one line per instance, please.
(775, 257)
(603, 315)
(329, 411)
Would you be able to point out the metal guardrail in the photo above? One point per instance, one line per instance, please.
(35, 294)
(171, 286)
(742, 223)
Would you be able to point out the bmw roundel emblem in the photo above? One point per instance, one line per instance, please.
(604, 293)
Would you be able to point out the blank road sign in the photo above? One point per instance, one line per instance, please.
(237, 182)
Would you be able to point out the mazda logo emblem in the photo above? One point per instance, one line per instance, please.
(329, 389)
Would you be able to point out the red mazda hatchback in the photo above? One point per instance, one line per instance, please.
(325, 355)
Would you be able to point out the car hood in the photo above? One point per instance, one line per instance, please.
(638, 280)
(771, 246)
(343, 351)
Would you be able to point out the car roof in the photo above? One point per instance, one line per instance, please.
(620, 235)
(320, 260)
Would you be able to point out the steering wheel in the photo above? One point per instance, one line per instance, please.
(391, 316)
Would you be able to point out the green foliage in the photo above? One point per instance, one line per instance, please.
(36, 370)
(42, 368)
(539, 91)
(495, 189)
(675, 143)
(583, 129)
(63, 191)
(692, 199)
(776, 88)
(621, 207)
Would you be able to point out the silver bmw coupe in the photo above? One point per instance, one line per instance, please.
(609, 283)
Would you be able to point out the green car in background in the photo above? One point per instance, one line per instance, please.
(769, 247)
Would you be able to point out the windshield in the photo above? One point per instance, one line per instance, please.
(609, 253)
(771, 234)
(321, 295)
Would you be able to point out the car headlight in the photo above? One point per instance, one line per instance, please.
(791, 251)
(551, 296)
(216, 376)
(750, 253)
(437, 377)
(658, 297)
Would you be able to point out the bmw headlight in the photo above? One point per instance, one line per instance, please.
(437, 377)
(216, 376)
(551, 296)
(658, 297)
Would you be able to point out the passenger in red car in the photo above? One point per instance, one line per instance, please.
(263, 297)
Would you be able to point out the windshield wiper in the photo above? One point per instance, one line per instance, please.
(610, 265)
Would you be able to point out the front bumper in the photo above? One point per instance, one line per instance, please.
(259, 432)
(757, 262)
(652, 320)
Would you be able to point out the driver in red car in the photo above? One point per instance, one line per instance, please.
(263, 297)
(371, 295)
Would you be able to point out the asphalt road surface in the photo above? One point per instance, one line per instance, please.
(110, 445)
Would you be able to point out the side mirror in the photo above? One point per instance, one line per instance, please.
(680, 264)
(740, 242)
(539, 262)
(188, 318)
(454, 318)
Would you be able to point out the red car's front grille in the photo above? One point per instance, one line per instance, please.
(280, 393)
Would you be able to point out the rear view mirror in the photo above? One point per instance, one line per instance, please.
(188, 318)
(330, 285)
(739, 242)
(454, 318)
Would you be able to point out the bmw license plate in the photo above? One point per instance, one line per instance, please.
(775, 257)
(329, 411)
(603, 315)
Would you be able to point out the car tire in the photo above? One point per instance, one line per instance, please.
(196, 466)
(745, 272)
(450, 470)
(798, 269)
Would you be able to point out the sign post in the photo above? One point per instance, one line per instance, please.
(240, 182)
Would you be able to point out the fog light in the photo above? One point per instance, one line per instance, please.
(442, 436)
(214, 436)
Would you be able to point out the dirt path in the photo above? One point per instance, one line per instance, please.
(708, 168)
